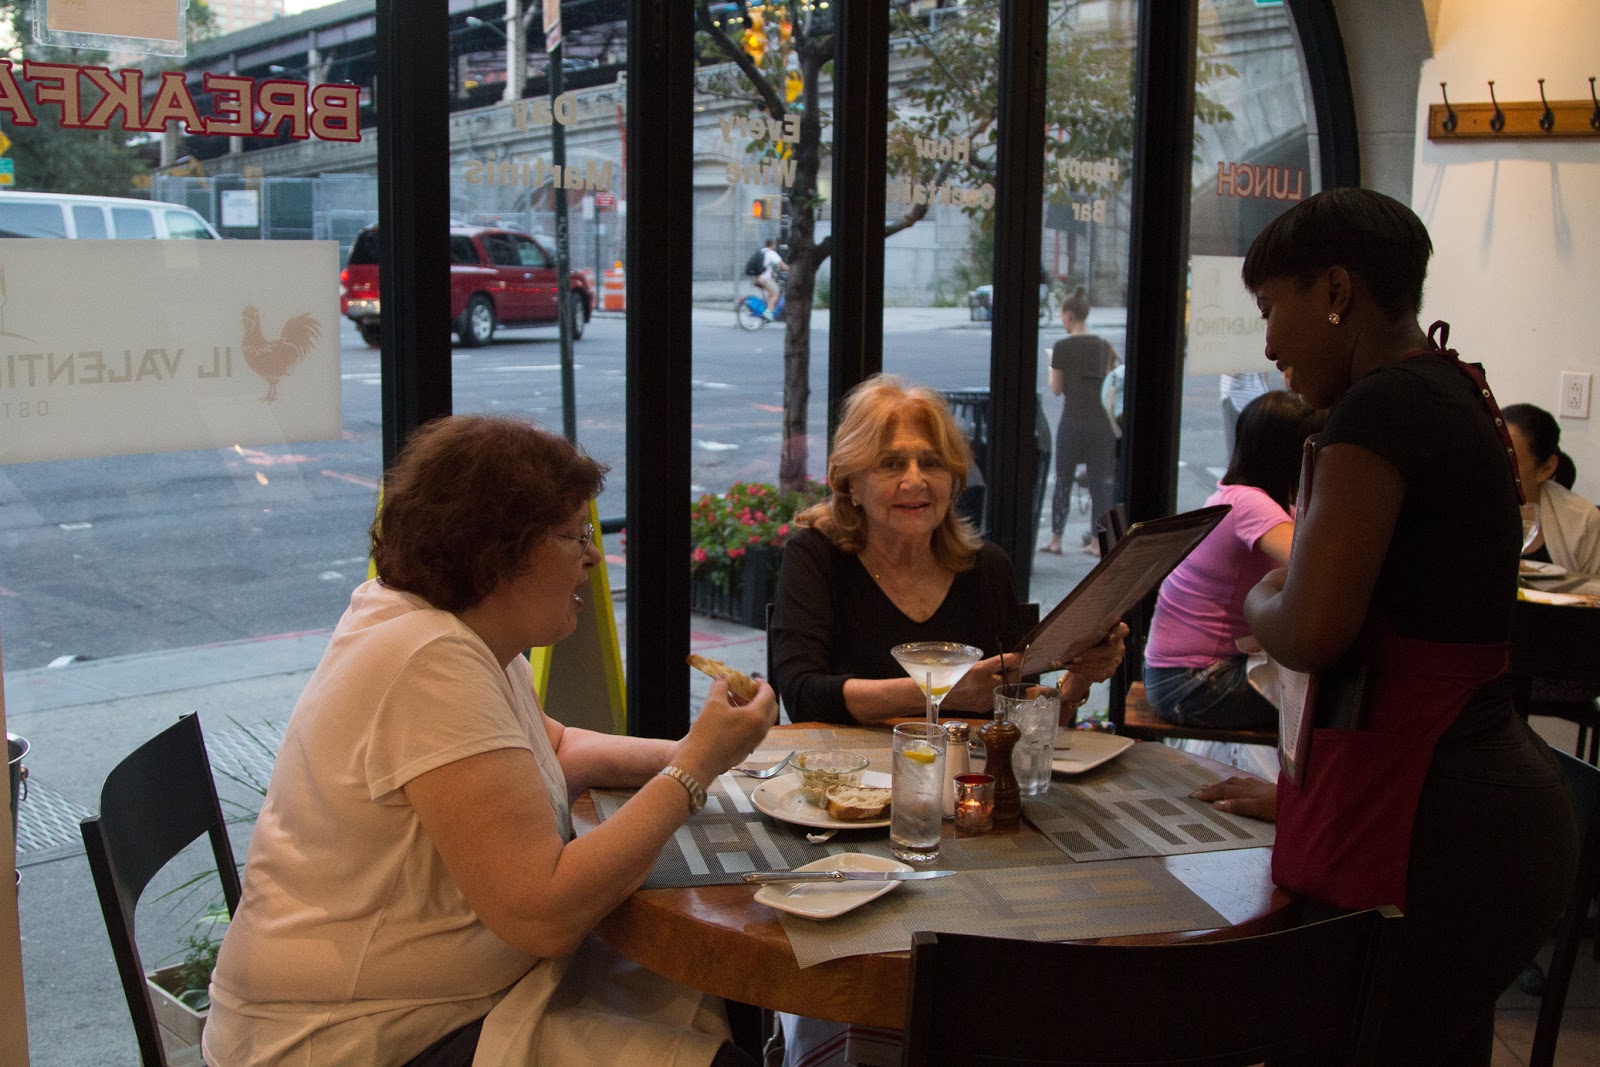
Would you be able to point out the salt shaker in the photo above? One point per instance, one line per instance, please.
(957, 760)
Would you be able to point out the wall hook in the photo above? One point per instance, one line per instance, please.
(1547, 121)
(1594, 119)
(1449, 123)
(1498, 121)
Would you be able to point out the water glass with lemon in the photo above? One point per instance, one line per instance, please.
(915, 813)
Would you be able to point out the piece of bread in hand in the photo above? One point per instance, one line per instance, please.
(740, 684)
(849, 803)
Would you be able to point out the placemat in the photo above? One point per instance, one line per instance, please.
(730, 837)
(1139, 805)
(1059, 903)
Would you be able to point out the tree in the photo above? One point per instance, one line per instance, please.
(49, 158)
(941, 143)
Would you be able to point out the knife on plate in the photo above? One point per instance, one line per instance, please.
(762, 877)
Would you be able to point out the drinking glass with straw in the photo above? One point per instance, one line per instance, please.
(936, 666)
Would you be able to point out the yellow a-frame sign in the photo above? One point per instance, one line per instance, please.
(579, 680)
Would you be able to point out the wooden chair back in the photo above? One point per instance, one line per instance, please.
(1318, 988)
(153, 805)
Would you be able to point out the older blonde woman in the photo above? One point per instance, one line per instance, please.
(885, 560)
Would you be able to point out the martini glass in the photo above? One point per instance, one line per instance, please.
(936, 666)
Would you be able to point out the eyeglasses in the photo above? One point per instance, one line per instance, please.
(584, 539)
(895, 464)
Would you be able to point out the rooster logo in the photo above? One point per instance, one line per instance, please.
(274, 359)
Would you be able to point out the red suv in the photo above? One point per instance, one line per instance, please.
(497, 278)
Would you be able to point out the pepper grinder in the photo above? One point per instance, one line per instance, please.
(957, 760)
(999, 738)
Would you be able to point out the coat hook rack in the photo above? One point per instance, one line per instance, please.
(1515, 119)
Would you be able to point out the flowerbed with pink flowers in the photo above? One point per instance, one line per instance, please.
(737, 538)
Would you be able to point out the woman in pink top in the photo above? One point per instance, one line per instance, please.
(1194, 670)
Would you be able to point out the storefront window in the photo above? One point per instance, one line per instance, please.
(1084, 299)
(1253, 159)
(762, 217)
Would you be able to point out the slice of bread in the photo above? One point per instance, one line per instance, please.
(740, 684)
(850, 803)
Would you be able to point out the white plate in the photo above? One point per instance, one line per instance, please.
(1532, 568)
(826, 900)
(780, 798)
(1540, 596)
(1090, 748)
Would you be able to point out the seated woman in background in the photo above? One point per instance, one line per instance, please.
(414, 894)
(1569, 526)
(1194, 669)
(885, 560)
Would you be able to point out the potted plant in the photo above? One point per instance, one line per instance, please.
(737, 536)
(179, 992)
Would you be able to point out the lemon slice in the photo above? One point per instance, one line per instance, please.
(941, 690)
(922, 754)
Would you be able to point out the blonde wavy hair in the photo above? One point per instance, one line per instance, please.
(873, 412)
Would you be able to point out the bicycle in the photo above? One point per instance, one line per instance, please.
(751, 310)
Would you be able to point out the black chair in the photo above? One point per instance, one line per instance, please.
(154, 804)
(1584, 781)
(1557, 647)
(1311, 989)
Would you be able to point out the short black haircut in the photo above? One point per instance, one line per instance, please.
(1267, 445)
(1371, 235)
(1538, 426)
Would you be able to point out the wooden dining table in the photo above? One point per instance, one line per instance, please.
(719, 940)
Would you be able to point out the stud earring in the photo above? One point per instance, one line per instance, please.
(1333, 318)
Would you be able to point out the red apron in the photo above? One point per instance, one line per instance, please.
(1344, 833)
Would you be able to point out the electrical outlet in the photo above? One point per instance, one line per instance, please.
(1574, 394)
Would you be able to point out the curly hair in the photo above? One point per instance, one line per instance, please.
(467, 501)
(871, 414)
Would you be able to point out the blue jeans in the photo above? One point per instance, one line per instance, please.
(1219, 696)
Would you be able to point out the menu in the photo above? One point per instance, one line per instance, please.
(1126, 575)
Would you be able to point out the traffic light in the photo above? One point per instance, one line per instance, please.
(767, 207)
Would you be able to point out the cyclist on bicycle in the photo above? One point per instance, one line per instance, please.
(771, 264)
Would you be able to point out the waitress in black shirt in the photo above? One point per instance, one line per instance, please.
(1424, 789)
(885, 560)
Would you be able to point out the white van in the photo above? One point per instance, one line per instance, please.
(98, 217)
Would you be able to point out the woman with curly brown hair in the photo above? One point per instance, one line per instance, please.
(414, 893)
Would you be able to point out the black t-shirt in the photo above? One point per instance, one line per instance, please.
(832, 622)
(1451, 570)
(1083, 360)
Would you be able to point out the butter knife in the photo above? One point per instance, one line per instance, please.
(763, 877)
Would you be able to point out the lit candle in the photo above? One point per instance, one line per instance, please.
(974, 803)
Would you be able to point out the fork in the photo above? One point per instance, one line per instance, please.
(766, 772)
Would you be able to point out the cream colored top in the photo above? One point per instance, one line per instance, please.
(352, 943)
(1571, 528)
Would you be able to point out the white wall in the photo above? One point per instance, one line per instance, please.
(1516, 224)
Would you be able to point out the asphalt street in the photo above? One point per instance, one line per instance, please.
(109, 557)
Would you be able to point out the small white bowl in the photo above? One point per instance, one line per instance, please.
(829, 900)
